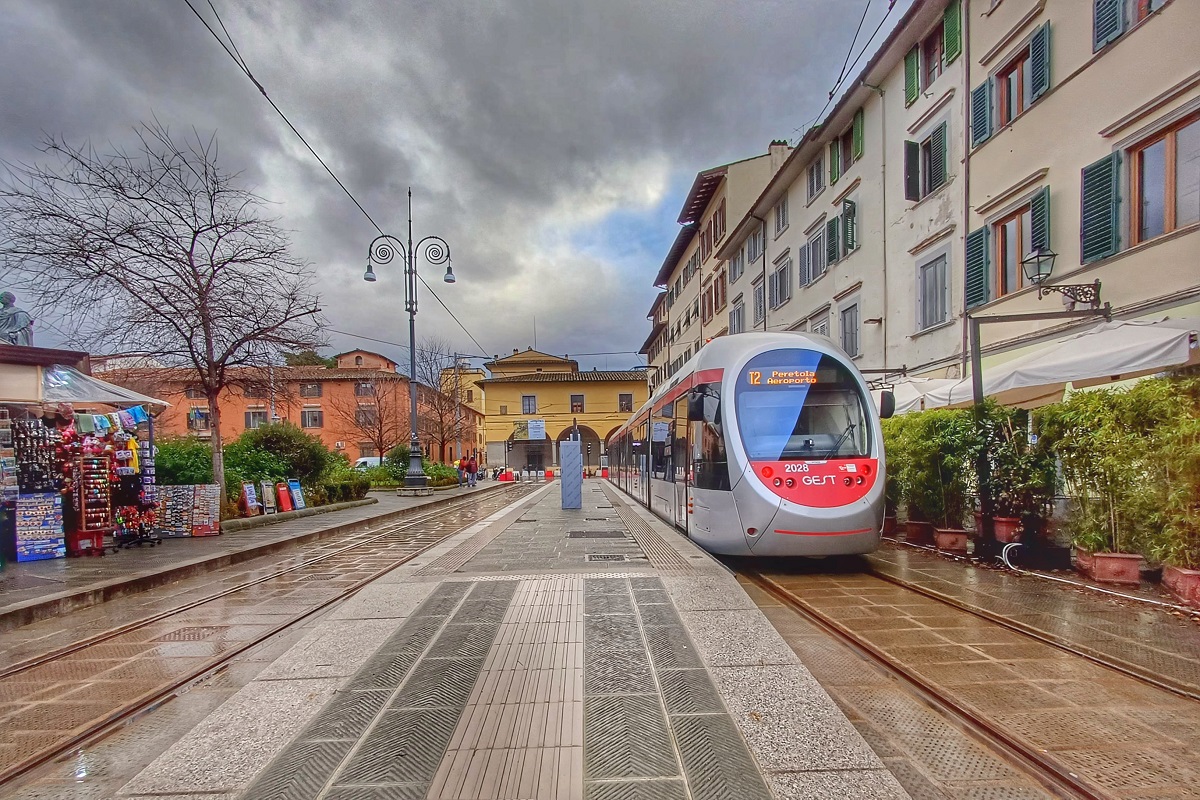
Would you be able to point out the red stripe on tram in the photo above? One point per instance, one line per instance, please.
(825, 533)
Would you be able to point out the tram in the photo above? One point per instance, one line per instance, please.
(764, 444)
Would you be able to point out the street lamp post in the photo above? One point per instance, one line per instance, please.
(382, 250)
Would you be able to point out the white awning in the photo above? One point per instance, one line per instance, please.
(910, 392)
(1107, 353)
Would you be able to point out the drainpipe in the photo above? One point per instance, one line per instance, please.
(883, 211)
(766, 309)
(966, 176)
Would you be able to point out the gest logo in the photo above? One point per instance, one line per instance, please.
(817, 480)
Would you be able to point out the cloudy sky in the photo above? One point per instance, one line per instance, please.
(550, 142)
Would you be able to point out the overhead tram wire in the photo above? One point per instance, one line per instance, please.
(434, 352)
(241, 62)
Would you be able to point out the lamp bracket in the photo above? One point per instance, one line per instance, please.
(1088, 293)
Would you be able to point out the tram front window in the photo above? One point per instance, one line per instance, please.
(818, 417)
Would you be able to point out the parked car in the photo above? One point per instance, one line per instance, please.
(366, 462)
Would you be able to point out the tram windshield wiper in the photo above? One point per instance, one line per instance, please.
(838, 444)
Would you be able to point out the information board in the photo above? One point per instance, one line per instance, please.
(297, 495)
(268, 498)
(253, 507)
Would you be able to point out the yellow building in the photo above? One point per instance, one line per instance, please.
(534, 400)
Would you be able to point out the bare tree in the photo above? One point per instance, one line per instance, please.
(440, 415)
(160, 251)
(377, 411)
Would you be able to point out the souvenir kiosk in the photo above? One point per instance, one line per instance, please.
(76, 462)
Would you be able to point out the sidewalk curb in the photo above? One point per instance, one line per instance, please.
(82, 597)
(247, 523)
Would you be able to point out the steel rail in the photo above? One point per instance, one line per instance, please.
(1044, 769)
(111, 633)
(101, 727)
(1118, 665)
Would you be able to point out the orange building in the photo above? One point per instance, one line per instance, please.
(359, 408)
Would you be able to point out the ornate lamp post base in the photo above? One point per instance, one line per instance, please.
(415, 478)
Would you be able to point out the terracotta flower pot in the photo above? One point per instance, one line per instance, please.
(1109, 567)
(889, 526)
(1183, 583)
(952, 540)
(1008, 529)
(918, 532)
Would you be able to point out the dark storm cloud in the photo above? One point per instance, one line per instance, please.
(517, 124)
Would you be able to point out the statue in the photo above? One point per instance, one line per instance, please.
(16, 326)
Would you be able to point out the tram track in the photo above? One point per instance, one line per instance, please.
(128, 710)
(1052, 774)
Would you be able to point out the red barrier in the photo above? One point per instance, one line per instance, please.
(285, 496)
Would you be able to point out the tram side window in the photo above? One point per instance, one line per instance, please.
(660, 449)
(679, 440)
(709, 462)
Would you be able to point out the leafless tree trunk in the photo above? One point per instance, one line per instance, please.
(440, 417)
(380, 415)
(159, 251)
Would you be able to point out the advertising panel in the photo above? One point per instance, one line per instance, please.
(40, 527)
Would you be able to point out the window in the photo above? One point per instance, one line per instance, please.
(358, 361)
(931, 58)
(503, 409)
(310, 390)
(781, 215)
(925, 63)
(367, 450)
(1012, 243)
(366, 416)
(362, 389)
(760, 304)
(819, 323)
(846, 148)
(529, 404)
(470, 395)
(1012, 88)
(719, 290)
(737, 265)
(925, 164)
(737, 315)
(625, 403)
(706, 302)
(1109, 18)
(932, 293)
(780, 289)
(816, 178)
(256, 419)
(312, 418)
(754, 246)
(813, 256)
(1165, 181)
(193, 393)
(576, 404)
(198, 419)
(254, 391)
(1017, 85)
(849, 329)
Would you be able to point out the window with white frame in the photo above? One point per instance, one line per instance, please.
(932, 293)
(848, 328)
(737, 264)
(818, 260)
(256, 418)
(819, 323)
(737, 315)
(312, 418)
(529, 404)
(781, 215)
(816, 177)
(780, 289)
(760, 301)
(754, 246)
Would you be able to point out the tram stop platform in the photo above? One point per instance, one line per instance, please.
(537, 653)
(35, 590)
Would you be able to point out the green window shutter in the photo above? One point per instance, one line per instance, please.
(912, 171)
(1039, 62)
(976, 284)
(832, 244)
(1100, 224)
(1108, 22)
(849, 224)
(937, 161)
(952, 31)
(981, 113)
(1039, 214)
(912, 85)
(835, 161)
(856, 149)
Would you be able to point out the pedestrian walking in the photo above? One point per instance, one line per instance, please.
(472, 469)
(458, 469)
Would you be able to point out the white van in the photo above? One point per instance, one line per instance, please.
(366, 462)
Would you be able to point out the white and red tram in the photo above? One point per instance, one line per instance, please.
(762, 444)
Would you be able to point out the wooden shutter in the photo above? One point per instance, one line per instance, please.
(912, 171)
(805, 266)
(1039, 62)
(856, 149)
(952, 31)
(1100, 226)
(835, 161)
(912, 78)
(849, 225)
(1108, 22)
(977, 264)
(937, 159)
(981, 113)
(832, 243)
(1039, 214)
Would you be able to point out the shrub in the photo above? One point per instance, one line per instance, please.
(937, 477)
(183, 461)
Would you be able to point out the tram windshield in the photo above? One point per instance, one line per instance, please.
(795, 405)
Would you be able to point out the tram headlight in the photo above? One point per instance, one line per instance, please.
(860, 480)
(791, 483)
(848, 480)
(778, 482)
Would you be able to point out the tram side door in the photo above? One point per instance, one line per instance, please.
(681, 461)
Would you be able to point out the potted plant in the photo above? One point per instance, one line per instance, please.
(936, 480)
(1023, 476)
(894, 445)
